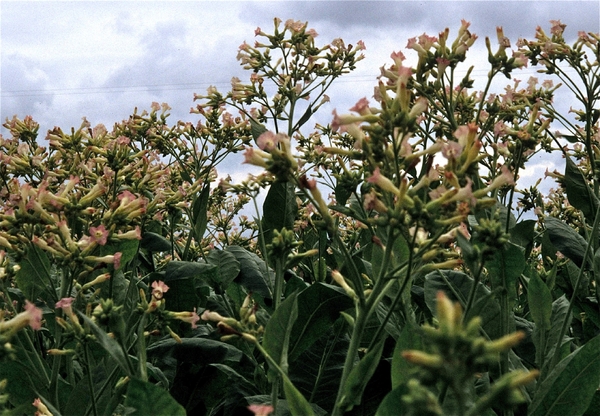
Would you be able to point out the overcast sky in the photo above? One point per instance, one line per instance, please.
(61, 61)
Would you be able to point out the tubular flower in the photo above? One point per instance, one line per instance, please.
(31, 316)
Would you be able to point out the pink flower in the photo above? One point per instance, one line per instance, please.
(362, 107)
(158, 289)
(255, 157)
(268, 141)
(382, 182)
(261, 409)
(99, 234)
(189, 317)
(42, 410)
(34, 314)
(557, 28)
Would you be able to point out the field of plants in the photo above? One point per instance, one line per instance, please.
(391, 263)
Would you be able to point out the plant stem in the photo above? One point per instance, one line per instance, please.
(89, 377)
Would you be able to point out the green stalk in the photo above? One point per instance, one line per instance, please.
(89, 377)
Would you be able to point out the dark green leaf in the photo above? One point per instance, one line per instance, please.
(257, 129)
(360, 376)
(279, 209)
(185, 269)
(540, 302)
(200, 351)
(297, 403)
(181, 295)
(33, 277)
(578, 191)
(155, 242)
(570, 386)
(148, 400)
(504, 269)
(560, 308)
(200, 211)
(409, 339)
(523, 234)
(111, 346)
(566, 239)
(253, 271)
(228, 268)
(392, 404)
(319, 307)
(276, 339)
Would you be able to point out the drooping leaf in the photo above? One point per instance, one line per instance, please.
(409, 340)
(296, 401)
(579, 193)
(360, 376)
(276, 339)
(185, 269)
(146, 399)
(566, 239)
(570, 386)
(253, 271)
(523, 234)
(319, 307)
(155, 242)
(560, 308)
(33, 277)
(200, 351)
(228, 267)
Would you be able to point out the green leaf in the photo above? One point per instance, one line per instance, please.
(111, 346)
(571, 385)
(540, 302)
(457, 286)
(185, 269)
(409, 339)
(127, 248)
(276, 339)
(228, 268)
(33, 277)
(360, 376)
(297, 403)
(392, 404)
(523, 234)
(253, 271)
(565, 239)
(148, 400)
(579, 193)
(200, 211)
(279, 209)
(560, 308)
(256, 128)
(155, 242)
(505, 267)
(319, 307)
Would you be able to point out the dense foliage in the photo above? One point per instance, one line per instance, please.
(393, 268)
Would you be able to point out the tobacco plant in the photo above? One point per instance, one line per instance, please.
(395, 267)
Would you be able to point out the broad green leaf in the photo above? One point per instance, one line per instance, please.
(319, 307)
(457, 286)
(360, 376)
(181, 295)
(253, 271)
(392, 404)
(111, 346)
(200, 351)
(33, 277)
(200, 211)
(504, 269)
(148, 400)
(570, 386)
(276, 339)
(228, 268)
(560, 308)
(317, 371)
(127, 248)
(565, 239)
(540, 302)
(155, 242)
(523, 234)
(409, 340)
(296, 401)
(579, 193)
(279, 209)
(185, 269)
